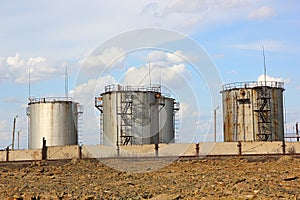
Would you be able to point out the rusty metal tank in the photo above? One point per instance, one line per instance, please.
(130, 115)
(253, 111)
(54, 119)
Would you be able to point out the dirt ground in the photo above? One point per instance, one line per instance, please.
(222, 178)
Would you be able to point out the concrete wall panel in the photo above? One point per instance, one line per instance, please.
(19, 155)
(63, 152)
(261, 147)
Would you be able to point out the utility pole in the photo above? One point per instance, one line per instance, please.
(19, 131)
(13, 133)
(215, 124)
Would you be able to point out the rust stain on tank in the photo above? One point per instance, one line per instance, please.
(241, 109)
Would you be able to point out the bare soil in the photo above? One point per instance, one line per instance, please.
(206, 178)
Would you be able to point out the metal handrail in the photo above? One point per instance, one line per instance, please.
(50, 99)
(120, 88)
(253, 84)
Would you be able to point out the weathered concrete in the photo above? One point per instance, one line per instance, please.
(177, 150)
(63, 152)
(101, 151)
(292, 147)
(261, 148)
(219, 148)
(2, 155)
(137, 151)
(19, 155)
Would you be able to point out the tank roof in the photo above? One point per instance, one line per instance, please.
(50, 100)
(253, 84)
(121, 88)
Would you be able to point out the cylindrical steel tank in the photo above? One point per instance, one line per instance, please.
(167, 120)
(253, 111)
(54, 119)
(130, 115)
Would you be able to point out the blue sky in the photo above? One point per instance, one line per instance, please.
(49, 35)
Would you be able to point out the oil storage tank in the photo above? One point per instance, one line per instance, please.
(130, 114)
(167, 120)
(253, 111)
(54, 119)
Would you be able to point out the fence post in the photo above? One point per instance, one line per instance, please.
(156, 150)
(240, 148)
(44, 149)
(7, 154)
(197, 149)
(283, 147)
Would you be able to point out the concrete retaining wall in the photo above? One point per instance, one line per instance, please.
(262, 148)
(219, 148)
(137, 151)
(19, 155)
(101, 151)
(98, 151)
(292, 147)
(2, 155)
(63, 152)
(177, 150)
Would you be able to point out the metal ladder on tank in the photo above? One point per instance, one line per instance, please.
(263, 111)
(101, 128)
(79, 115)
(125, 112)
(235, 117)
(176, 121)
(99, 106)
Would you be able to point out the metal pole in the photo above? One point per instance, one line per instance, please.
(215, 124)
(13, 133)
(297, 132)
(19, 131)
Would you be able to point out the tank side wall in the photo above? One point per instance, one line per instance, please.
(166, 122)
(110, 119)
(145, 118)
(228, 118)
(55, 121)
(277, 114)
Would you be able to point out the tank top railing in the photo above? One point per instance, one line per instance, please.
(50, 99)
(253, 84)
(121, 88)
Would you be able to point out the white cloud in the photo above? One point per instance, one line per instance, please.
(170, 58)
(269, 45)
(85, 95)
(108, 56)
(182, 6)
(261, 13)
(172, 77)
(86, 92)
(156, 56)
(15, 69)
(152, 9)
(15, 61)
(261, 78)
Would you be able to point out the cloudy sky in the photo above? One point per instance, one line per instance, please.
(46, 36)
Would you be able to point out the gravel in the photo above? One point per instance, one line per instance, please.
(226, 178)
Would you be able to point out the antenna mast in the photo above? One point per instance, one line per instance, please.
(265, 67)
(29, 83)
(66, 82)
(149, 74)
(160, 76)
